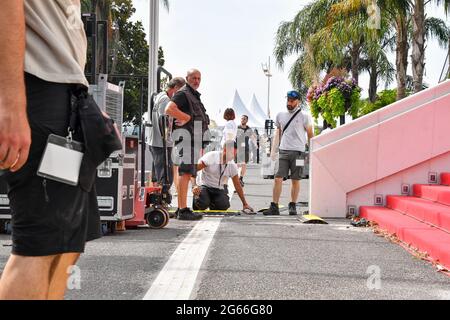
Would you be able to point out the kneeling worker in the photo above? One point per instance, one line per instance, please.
(210, 192)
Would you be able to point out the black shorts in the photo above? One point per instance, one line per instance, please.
(187, 164)
(48, 217)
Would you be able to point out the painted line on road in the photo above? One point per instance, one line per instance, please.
(177, 279)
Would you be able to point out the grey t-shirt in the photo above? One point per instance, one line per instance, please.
(212, 175)
(55, 41)
(295, 138)
(155, 139)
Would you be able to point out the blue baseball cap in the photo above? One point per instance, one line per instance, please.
(293, 95)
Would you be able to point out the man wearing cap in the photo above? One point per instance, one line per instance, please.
(294, 131)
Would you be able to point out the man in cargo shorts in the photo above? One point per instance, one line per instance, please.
(42, 59)
(190, 129)
(294, 130)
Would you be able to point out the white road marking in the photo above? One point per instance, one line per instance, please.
(177, 279)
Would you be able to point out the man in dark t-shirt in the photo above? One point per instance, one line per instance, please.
(245, 134)
(191, 122)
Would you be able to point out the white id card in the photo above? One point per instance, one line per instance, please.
(300, 162)
(61, 160)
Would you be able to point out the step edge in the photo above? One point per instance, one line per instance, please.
(427, 223)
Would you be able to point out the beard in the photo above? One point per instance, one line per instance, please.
(291, 108)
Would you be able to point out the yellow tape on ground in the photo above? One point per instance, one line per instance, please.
(216, 211)
(211, 211)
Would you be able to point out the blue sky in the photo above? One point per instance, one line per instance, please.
(228, 41)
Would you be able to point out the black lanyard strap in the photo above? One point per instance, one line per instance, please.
(222, 172)
(290, 121)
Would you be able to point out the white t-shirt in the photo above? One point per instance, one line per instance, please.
(55, 41)
(295, 138)
(229, 132)
(212, 175)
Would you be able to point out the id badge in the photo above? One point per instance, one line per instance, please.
(61, 160)
(300, 162)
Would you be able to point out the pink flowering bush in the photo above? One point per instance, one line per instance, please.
(336, 97)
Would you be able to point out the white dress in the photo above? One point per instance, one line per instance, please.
(229, 132)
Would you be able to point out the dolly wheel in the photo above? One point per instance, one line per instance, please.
(167, 218)
(157, 219)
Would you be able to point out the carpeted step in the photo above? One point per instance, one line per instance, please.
(440, 194)
(433, 213)
(390, 220)
(445, 179)
(432, 241)
(417, 234)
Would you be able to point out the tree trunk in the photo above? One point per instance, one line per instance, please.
(402, 55)
(355, 55)
(418, 50)
(373, 83)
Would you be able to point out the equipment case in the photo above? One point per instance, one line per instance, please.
(116, 188)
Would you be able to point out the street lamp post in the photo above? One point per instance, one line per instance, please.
(268, 74)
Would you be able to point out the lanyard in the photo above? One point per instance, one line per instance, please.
(222, 172)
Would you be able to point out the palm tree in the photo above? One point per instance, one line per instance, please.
(419, 38)
(397, 12)
(294, 37)
(377, 64)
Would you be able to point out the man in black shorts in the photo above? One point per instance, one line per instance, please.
(191, 126)
(51, 221)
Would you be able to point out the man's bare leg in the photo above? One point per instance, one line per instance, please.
(175, 178)
(295, 190)
(183, 186)
(59, 274)
(277, 188)
(26, 278)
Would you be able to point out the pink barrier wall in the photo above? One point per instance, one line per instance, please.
(392, 185)
(376, 147)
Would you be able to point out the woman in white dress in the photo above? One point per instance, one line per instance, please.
(229, 132)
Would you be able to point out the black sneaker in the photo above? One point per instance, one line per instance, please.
(293, 209)
(188, 215)
(273, 210)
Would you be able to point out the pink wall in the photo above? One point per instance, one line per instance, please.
(375, 147)
(392, 185)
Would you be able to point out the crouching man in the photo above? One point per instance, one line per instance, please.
(209, 192)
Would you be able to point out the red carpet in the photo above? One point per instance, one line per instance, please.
(422, 221)
(445, 179)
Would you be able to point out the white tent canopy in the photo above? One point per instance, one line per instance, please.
(240, 109)
(256, 111)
